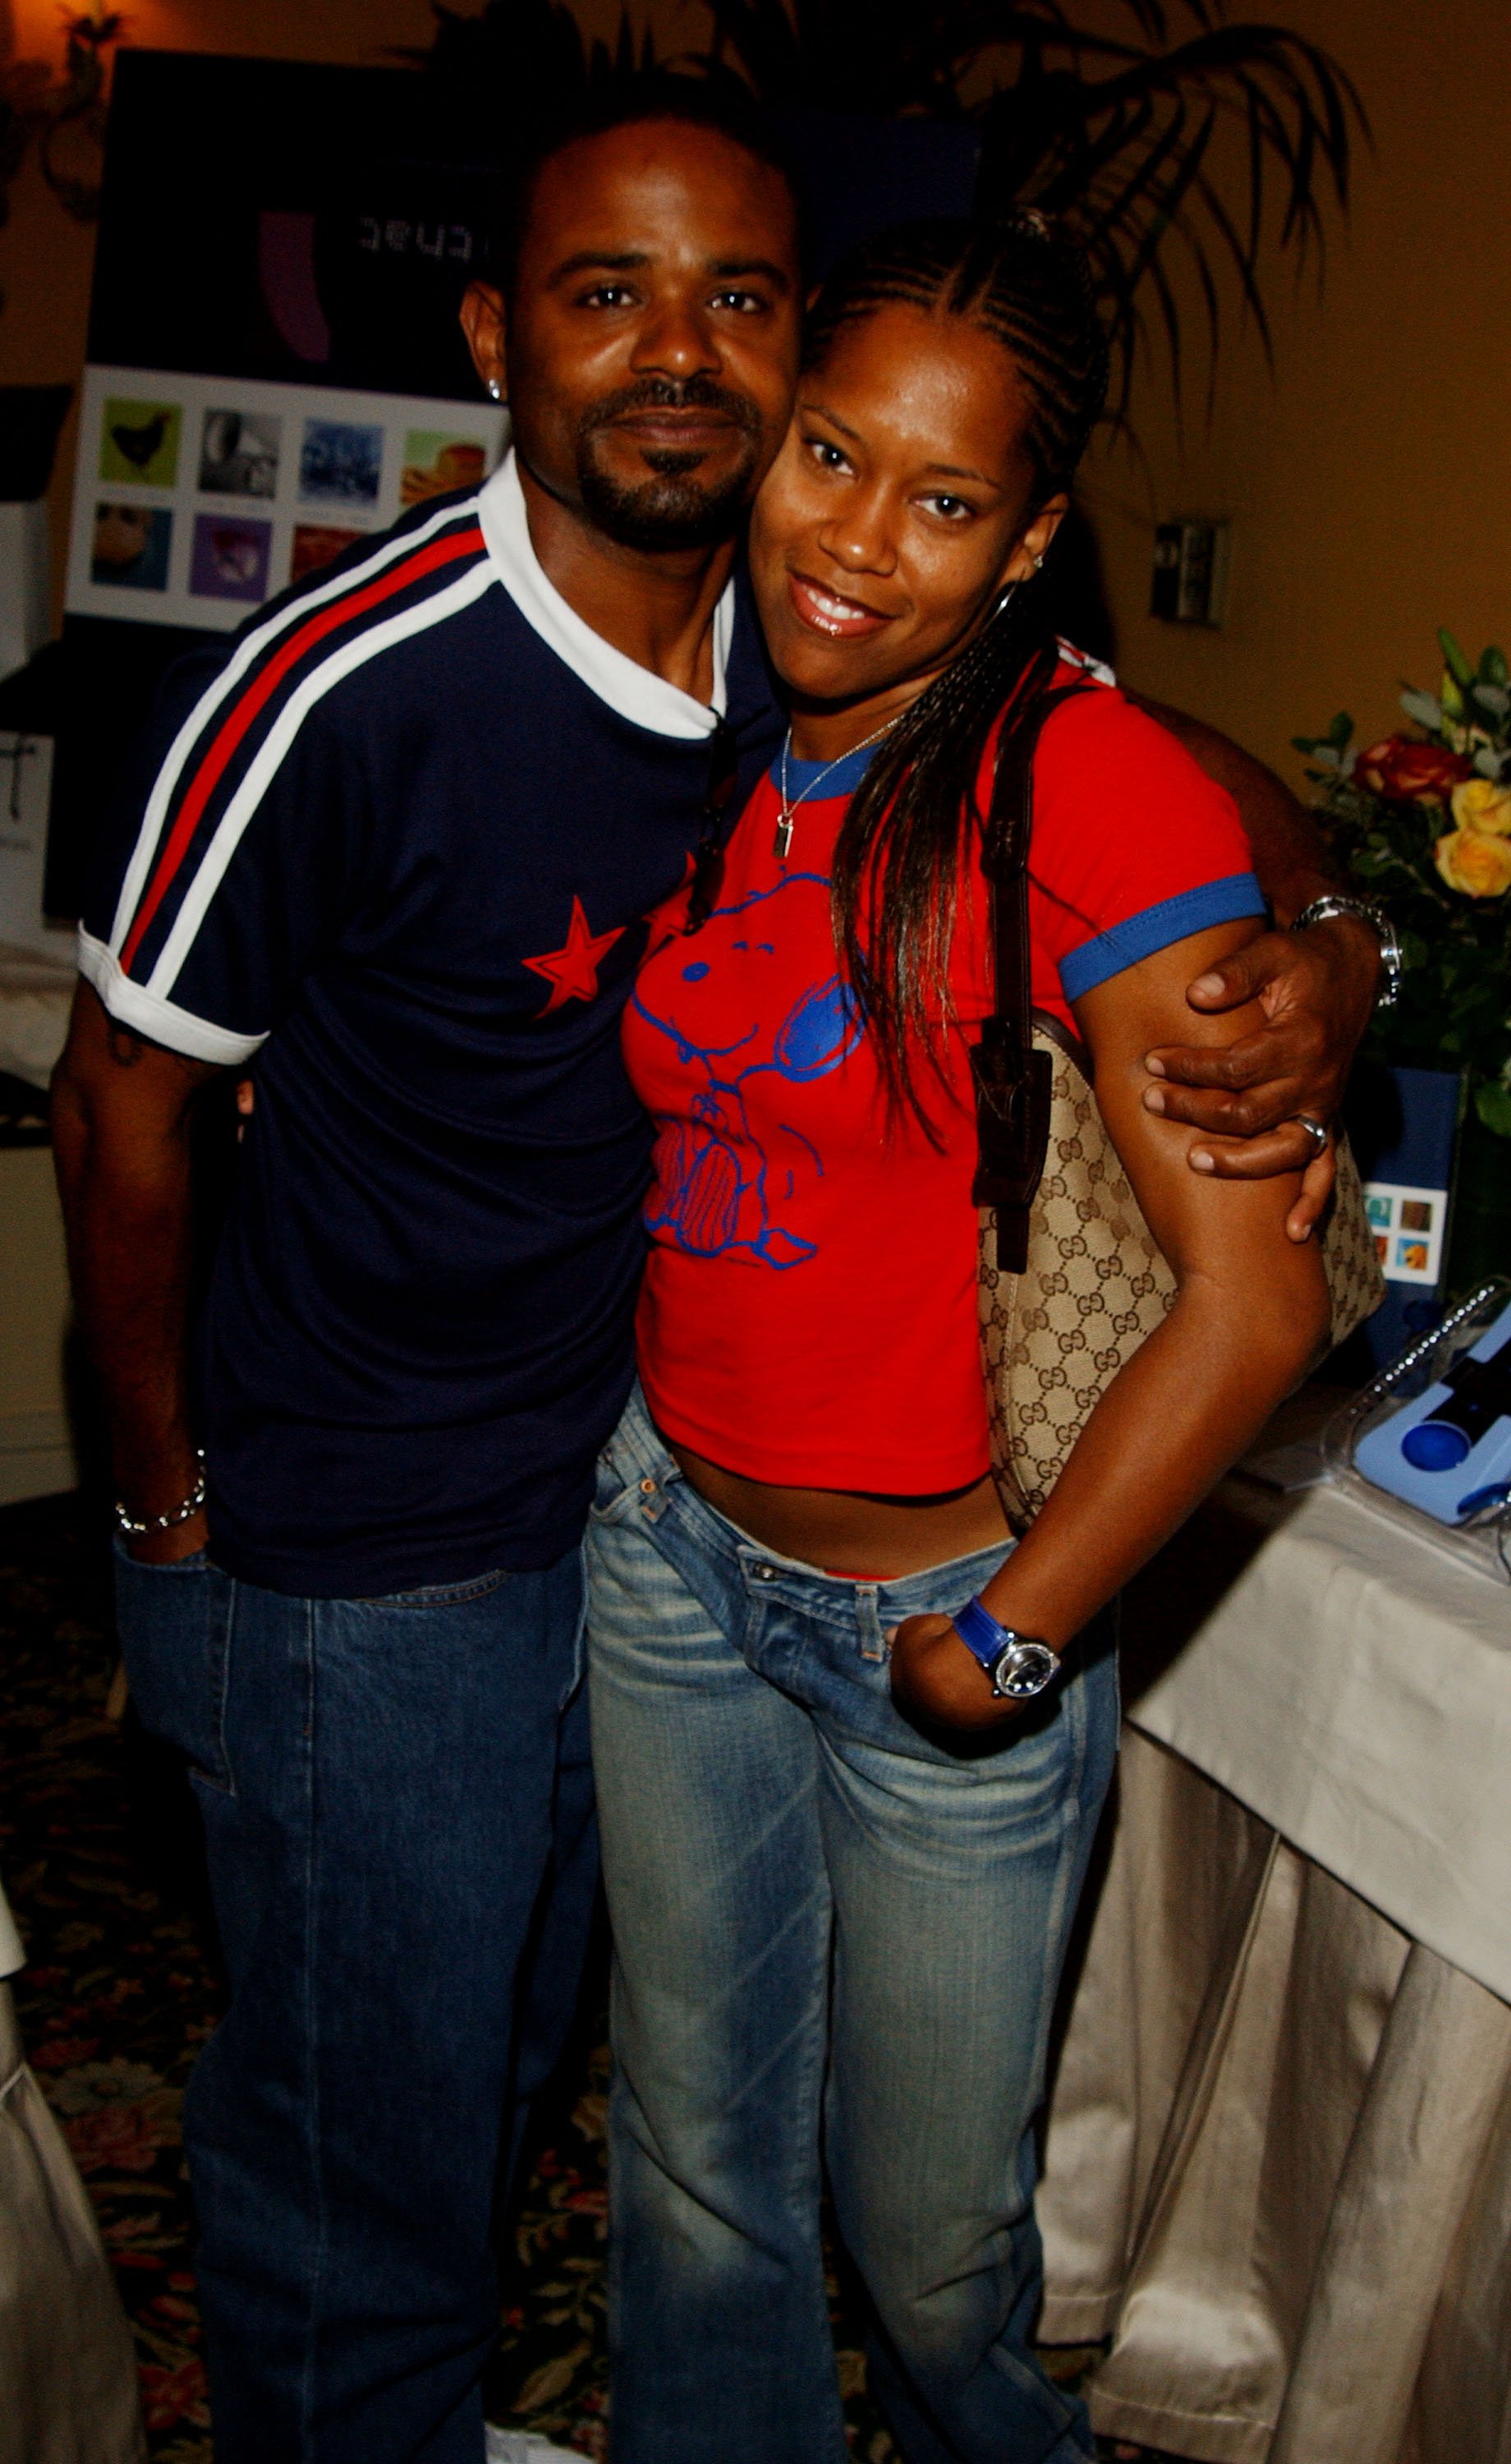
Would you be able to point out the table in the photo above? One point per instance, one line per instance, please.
(68, 2380)
(36, 994)
(1277, 2164)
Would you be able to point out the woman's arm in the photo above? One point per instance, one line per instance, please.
(1250, 1317)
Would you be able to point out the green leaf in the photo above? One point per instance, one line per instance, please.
(1493, 669)
(1422, 707)
(1459, 666)
(1453, 699)
(1493, 1103)
(1341, 729)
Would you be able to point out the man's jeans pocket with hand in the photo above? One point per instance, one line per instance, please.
(174, 1623)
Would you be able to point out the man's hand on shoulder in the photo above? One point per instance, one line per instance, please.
(1316, 989)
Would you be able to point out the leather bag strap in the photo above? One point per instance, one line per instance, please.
(1012, 1082)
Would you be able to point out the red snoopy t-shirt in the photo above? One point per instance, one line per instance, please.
(809, 1311)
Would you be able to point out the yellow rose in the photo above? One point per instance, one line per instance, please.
(1480, 866)
(1480, 804)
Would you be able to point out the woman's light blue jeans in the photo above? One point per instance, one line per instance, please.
(832, 1933)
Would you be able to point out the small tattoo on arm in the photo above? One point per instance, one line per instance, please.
(126, 1048)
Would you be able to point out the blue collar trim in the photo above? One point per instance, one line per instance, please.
(843, 779)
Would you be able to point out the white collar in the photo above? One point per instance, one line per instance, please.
(637, 695)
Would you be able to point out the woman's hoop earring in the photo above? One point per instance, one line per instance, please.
(1006, 599)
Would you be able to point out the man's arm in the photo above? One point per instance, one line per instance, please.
(1315, 988)
(121, 1119)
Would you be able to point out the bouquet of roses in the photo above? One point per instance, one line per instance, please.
(1422, 821)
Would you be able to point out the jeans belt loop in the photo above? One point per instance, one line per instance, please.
(873, 1642)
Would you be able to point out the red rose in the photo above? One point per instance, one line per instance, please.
(1410, 773)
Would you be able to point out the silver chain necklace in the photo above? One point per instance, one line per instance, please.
(790, 804)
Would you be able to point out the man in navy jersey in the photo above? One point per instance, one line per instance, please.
(393, 849)
(394, 846)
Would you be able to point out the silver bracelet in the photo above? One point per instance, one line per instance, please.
(131, 1529)
(1380, 925)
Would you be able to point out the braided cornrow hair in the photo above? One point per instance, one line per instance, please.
(1024, 281)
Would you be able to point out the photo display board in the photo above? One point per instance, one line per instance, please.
(1407, 1224)
(197, 498)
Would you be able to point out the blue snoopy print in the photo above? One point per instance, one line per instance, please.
(722, 1186)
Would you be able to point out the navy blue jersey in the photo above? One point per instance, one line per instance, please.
(393, 847)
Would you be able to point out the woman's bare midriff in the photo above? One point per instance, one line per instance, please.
(876, 1539)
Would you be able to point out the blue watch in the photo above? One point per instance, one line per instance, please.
(1018, 1664)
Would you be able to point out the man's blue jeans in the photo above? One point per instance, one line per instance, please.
(822, 1921)
(398, 1818)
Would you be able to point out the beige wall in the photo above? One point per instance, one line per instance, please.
(1364, 480)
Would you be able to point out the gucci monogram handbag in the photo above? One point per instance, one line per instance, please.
(1071, 1279)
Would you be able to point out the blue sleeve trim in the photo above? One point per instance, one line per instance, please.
(1139, 937)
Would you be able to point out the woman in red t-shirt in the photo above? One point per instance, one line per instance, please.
(840, 1864)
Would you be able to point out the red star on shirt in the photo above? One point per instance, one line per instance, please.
(572, 973)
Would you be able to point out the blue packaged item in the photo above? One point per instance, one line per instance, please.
(1449, 1449)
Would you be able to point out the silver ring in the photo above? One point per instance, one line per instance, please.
(1318, 1131)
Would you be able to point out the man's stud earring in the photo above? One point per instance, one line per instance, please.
(496, 391)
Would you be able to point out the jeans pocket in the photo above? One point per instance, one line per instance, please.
(623, 1487)
(174, 1623)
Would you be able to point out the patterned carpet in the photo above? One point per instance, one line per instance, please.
(98, 1848)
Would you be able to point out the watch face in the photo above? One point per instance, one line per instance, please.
(1024, 1668)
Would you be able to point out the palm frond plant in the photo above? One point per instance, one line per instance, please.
(1113, 125)
(1113, 129)
(517, 61)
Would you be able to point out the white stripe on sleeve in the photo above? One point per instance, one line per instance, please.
(258, 640)
(161, 1022)
(370, 645)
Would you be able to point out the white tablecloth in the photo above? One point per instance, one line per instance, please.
(1353, 1689)
(36, 994)
(11, 1954)
(68, 2382)
(1278, 2164)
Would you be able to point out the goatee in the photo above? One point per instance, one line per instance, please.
(672, 508)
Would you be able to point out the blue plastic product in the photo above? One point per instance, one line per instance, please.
(1450, 1450)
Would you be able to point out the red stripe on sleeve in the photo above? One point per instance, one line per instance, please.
(234, 727)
